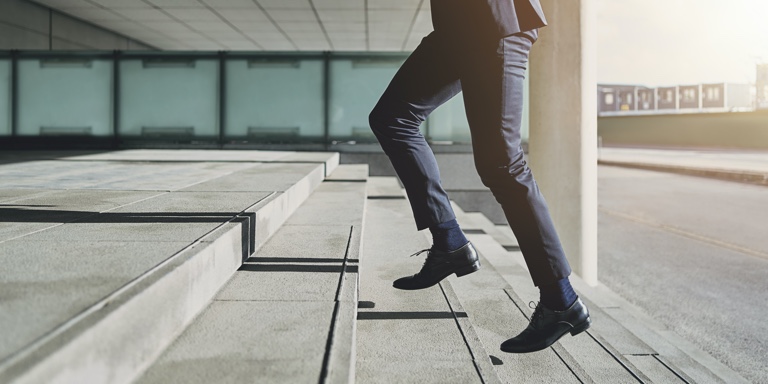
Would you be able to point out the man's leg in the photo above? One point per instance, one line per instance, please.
(492, 79)
(426, 80)
(493, 93)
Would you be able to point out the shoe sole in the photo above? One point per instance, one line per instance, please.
(474, 267)
(468, 269)
(573, 331)
(581, 327)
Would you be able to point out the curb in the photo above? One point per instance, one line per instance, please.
(748, 177)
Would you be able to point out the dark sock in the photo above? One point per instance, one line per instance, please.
(448, 236)
(558, 296)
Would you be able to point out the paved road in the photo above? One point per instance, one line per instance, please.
(693, 253)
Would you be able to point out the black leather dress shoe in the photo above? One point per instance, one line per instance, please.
(440, 265)
(548, 326)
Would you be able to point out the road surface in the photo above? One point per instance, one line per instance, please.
(693, 253)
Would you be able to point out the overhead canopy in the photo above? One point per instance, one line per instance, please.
(284, 25)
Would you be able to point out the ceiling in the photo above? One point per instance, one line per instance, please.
(272, 25)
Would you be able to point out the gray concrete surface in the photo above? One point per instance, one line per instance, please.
(350, 172)
(295, 247)
(43, 284)
(496, 318)
(490, 305)
(734, 160)
(693, 254)
(288, 314)
(500, 288)
(248, 341)
(744, 166)
(84, 267)
(620, 328)
(113, 174)
(384, 187)
(261, 177)
(404, 336)
(329, 159)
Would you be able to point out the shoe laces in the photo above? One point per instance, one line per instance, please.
(428, 261)
(420, 252)
(537, 311)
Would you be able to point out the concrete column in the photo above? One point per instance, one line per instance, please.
(563, 127)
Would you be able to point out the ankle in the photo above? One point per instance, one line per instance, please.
(448, 236)
(558, 296)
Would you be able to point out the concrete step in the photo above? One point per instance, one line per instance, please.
(419, 336)
(620, 331)
(288, 314)
(97, 281)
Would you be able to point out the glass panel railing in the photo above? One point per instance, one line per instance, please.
(169, 98)
(269, 97)
(356, 85)
(5, 97)
(274, 100)
(65, 97)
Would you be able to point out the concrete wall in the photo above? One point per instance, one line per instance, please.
(28, 26)
(741, 130)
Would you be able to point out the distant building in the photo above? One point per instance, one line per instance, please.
(614, 98)
(646, 98)
(762, 87)
(667, 98)
(713, 95)
(718, 97)
(689, 96)
(606, 99)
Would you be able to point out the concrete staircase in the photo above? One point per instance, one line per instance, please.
(451, 333)
(623, 344)
(108, 258)
(288, 313)
(275, 267)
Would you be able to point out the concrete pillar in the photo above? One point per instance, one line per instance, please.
(563, 127)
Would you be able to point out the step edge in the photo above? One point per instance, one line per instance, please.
(341, 364)
(483, 364)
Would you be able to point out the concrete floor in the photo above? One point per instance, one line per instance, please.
(693, 253)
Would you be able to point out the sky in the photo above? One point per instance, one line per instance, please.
(670, 42)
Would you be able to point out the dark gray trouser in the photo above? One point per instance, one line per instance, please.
(490, 72)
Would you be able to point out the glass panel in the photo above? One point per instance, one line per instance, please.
(356, 85)
(65, 97)
(5, 97)
(169, 98)
(275, 100)
(448, 123)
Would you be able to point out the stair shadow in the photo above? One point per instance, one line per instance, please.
(297, 268)
(23, 156)
(11, 213)
(409, 315)
(297, 260)
(22, 215)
